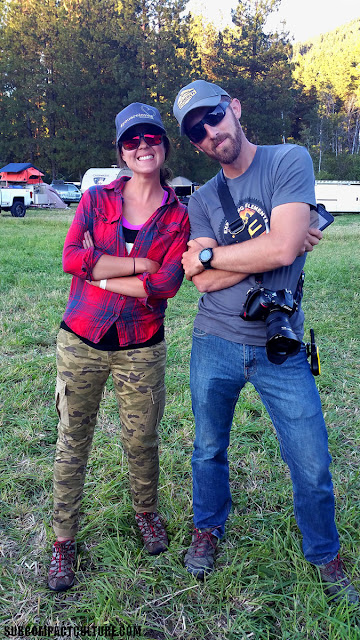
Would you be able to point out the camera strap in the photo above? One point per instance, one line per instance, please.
(228, 205)
(231, 213)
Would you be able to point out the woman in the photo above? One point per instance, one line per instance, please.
(124, 251)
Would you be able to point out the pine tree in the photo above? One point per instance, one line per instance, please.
(23, 86)
(254, 66)
(71, 65)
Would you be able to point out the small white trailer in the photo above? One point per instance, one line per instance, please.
(183, 188)
(104, 175)
(338, 196)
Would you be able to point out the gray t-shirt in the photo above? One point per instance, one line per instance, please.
(277, 175)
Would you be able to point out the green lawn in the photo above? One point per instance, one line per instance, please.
(263, 588)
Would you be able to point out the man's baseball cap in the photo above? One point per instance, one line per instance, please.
(196, 94)
(137, 113)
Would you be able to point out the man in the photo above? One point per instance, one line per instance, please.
(261, 250)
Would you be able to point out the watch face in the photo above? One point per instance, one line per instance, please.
(206, 254)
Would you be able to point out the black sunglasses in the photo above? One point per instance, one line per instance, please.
(152, 139)
(212, 118)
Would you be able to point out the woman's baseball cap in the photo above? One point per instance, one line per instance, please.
(137, 113)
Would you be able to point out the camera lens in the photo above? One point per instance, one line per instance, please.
(281, 341)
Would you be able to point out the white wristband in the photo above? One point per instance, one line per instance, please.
(102, 284)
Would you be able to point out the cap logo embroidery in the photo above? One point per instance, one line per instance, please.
(149, 111)
(185, 97)
(137, 115)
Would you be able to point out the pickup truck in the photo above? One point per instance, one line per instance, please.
(15, 200)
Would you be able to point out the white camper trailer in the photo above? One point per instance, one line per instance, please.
(183, 188)
(103, 175)
(338, 197)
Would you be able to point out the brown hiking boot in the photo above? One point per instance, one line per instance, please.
(199, 559)
(153, 532)
(337, 585)
(61, 573)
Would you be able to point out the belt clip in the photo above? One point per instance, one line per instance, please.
(313, 351)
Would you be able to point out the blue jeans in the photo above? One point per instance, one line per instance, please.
(218, 371)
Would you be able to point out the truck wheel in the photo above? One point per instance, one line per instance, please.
(18, 209)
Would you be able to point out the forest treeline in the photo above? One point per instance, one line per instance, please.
(68, 66)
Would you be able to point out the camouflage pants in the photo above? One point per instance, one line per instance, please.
(138, 377)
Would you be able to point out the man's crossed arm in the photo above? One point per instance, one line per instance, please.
(289, 237)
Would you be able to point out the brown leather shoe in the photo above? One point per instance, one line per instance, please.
(199, 559)
(61, 573)
(153, 532)
(336, 584)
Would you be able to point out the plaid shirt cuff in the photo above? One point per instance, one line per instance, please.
(91, 256)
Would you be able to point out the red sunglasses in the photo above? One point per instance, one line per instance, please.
(151, 139)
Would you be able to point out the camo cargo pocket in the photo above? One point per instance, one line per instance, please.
(140, 421)
(61, 402)
(158, 403)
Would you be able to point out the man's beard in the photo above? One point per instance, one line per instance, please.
(229, 155)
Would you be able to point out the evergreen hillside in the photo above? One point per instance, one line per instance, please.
(327, 69)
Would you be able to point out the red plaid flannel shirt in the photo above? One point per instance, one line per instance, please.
(91, 311)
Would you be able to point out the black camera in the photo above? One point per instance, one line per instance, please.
(275, 308)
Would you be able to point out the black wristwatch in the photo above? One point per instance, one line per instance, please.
(205, 257)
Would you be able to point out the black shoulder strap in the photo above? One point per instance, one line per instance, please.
(227, 203)
(230, 211)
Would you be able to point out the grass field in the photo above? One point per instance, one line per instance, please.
(263, 588)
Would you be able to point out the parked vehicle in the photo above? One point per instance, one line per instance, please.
(16, 200)
(183, 188)
(67, 191)
(23, 177)
(103, 175)
(17, 182)
(338, 196)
